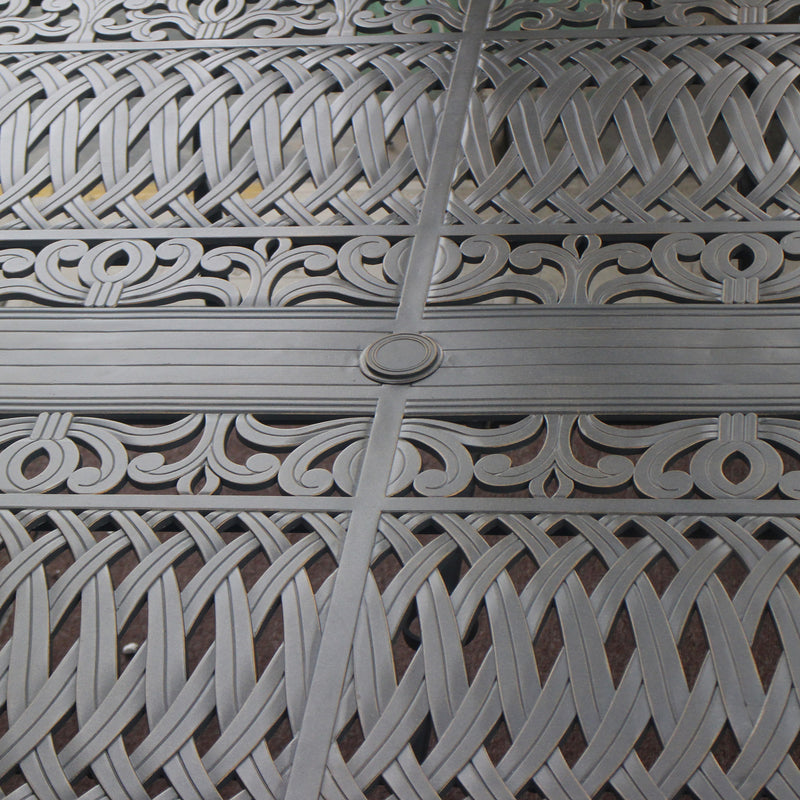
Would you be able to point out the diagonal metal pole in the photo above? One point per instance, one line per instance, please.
(317, 730)
(422, 259)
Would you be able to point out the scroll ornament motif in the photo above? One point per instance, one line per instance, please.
(731, 268)
(72, 445)
(644, 456)
(536, 16)
(155, 20)
(149, 21)
(583, 270)
(704, 12)
(23, 21)
(404, 16)
(630, 13)
(273, 272)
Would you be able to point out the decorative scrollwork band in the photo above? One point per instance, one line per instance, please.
(531, 15)
(729, 268)
(155, 20)
(199, 453)
(588, 270)
(268, 273)
(727, 456)
(543, 455)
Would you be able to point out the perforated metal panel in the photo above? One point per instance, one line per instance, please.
(399, 400)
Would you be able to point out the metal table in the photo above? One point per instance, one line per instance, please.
(400, 400)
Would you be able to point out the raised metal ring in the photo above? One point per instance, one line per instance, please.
(401, 358)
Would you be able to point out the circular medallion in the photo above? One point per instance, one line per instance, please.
(401, 358)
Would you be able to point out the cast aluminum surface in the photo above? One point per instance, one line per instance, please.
(400, 400)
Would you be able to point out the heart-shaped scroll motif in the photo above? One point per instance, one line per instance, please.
(62, 456)
(365, 270)
(738, 437)
(64, 441)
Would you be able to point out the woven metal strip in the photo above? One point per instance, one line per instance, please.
(218, 137)
(660, 129)
(508, 655)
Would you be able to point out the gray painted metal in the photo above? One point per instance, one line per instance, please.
(504, 361)
(211, 213)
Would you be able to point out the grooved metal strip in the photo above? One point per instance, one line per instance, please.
(506, 360)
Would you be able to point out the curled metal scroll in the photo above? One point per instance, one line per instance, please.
(193, 454)
(277, 272)
(558, 454)
(156, 20)
(729, 268)
(544, 455)
(530, 15)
